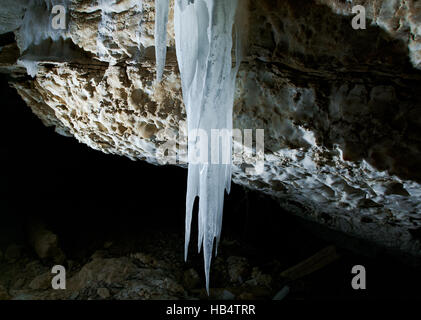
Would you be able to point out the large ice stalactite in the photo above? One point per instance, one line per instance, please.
(203, 32)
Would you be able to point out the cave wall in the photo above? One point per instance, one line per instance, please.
(340, 107)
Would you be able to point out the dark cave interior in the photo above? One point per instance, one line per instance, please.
(87, 198)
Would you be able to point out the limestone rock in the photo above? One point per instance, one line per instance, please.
(340, 107)
(3, 293)
(103, 293)
(99, 270)
(237, 268)
(11, 15)
(191, 278)
(41, 282)
(45, 243)
(12, 252)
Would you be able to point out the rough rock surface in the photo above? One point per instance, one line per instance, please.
(158, 272)
(340, 107)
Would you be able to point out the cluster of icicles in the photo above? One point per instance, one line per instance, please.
(37, 27)
(204, 41)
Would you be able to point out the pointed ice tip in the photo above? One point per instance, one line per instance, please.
(207, 285)
(186, 244)
(186, 253)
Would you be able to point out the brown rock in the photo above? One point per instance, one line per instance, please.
(41, 282)
(3, 293)
(45, 243)
(104, 293)
(238, 268)
(396, 188)
(191, 278)
(259, 279)
(110, 271)
(18, 284)
(13, 252)
(340, 107)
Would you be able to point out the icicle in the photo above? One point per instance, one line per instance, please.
(31, 66)
(37, 26)
(161, 20)
(37, 23)
(203, 31)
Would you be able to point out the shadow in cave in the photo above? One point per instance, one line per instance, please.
(378, 115)
(88, 198)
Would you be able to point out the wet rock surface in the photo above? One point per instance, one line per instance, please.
(111, 273)
(149, 265)
(340, 107)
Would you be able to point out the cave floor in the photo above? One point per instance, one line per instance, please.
(120, 229)
(129, 265)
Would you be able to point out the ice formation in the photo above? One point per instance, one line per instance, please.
(36, 25)
(30, 65)
(204, 42)
(161, 20)
(203, 33)
(35, 28)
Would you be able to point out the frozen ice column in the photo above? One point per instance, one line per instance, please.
(203, 32)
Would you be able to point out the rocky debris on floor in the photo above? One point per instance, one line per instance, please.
(110, 273)
(340, 107)
(191, 278)
(103, 293)
(3, 293)
(42, 282)
(13, 253)
(237, 268)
